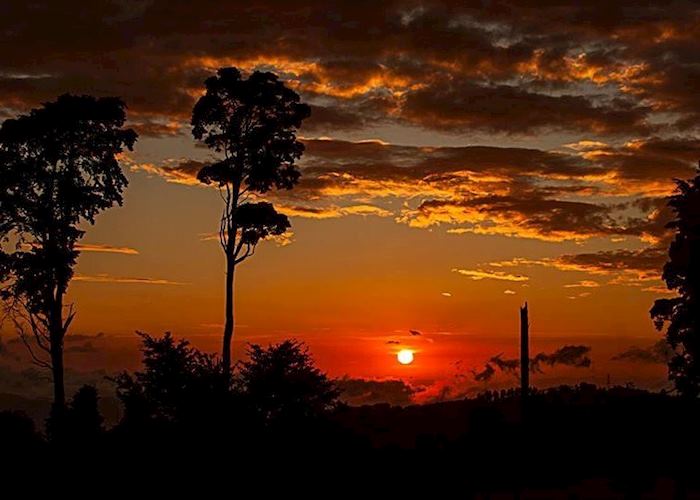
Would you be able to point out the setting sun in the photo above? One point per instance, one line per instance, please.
(405, 357)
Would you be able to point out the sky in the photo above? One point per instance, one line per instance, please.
(461, 158)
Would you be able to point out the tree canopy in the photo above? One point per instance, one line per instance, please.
(682, 274)
(253, 122)
(58, 169)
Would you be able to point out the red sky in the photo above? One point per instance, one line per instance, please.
(461, 158)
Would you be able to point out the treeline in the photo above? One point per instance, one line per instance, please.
(279, 416)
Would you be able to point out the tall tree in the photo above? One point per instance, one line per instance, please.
(682, 275)
(252, 123)
(58, 169)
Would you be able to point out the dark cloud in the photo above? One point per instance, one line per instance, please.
(658, 353)
(462, 106)
(583, 67)
(358, 391)
(592, 191)
(568, 355)
(645, 260)
(484, 375)
(393, 342)
(414, 332)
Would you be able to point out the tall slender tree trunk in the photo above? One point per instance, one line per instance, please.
(229, 325)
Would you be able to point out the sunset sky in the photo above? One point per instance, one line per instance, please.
(461, 158)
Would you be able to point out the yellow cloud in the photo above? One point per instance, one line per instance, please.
(479, 274)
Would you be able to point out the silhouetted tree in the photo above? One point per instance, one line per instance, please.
(84, 416)
(82, 422)
(682, 274)
(281, 385)
(58, 169)
(252, 123)
(178, 383)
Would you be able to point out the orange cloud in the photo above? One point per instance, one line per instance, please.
(102, 248)
(480, 274)
(105, 278)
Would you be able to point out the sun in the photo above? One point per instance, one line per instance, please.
(405, 356)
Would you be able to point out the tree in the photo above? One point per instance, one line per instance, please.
(178, 383)
(58, 169)
(82, 423)
(252, 123)
(682, 275)
(281, 385)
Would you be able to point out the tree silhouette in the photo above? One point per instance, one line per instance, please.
(281, 384)
(251, 122)
(177, 384)
(82, 422)
(58, 169)
(682, 274)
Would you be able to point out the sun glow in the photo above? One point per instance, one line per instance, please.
(405, 356)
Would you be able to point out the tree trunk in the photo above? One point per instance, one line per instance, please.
(229, 325)
(56, 335)
(59, 391)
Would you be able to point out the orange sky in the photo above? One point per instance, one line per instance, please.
(459, 161)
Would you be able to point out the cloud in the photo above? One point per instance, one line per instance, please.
(105, 278)
(520, 192)
(457, 106)
(477, 274)
(580, 65)
(617, 79)
(102, 248)
(527, 215)
(414, 332)
(576, 356)
(484, 375)
(583, 284)
(359, 391)
(658, 353)
(332, 212)
(639, 267)
(568, 355)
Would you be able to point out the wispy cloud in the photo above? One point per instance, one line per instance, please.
(103, 248)
(480, 274)
(105, 278)
(583, 284)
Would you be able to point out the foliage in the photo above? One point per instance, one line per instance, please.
(178, 383)
(252, 123)
(682, 275)
(281, 384)
(58, 169)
